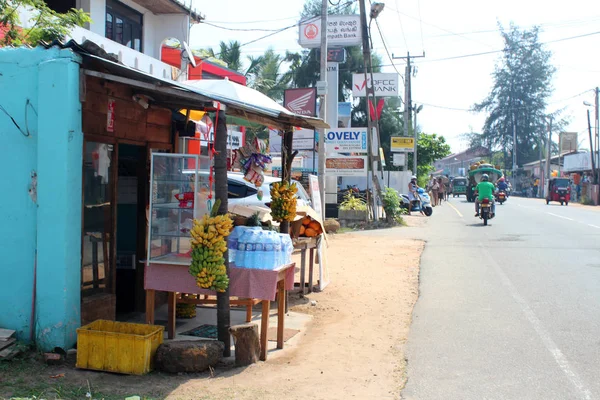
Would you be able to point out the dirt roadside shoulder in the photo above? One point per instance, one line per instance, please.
(354, 347)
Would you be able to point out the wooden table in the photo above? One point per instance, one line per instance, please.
(304, 244)
(179, 281)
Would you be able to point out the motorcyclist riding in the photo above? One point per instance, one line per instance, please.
(485, 190)
(502, 185)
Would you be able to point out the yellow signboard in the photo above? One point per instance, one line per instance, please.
(401, 144)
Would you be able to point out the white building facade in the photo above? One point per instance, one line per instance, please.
(133, 30)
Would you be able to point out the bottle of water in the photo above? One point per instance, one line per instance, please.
(259, 250)
(277, 251)
(269, 251)
(240, 254)
(232, 242)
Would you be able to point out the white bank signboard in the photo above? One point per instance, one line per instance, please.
(342, 30)
(384, 84)
(346, 140)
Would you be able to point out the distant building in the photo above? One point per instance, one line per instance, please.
(456, 164)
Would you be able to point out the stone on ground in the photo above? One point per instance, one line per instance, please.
(331, 225)
(188, 355)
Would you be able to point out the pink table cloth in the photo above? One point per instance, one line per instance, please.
(243, 282)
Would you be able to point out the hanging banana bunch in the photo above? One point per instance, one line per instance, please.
(209, 243)
(283, 201)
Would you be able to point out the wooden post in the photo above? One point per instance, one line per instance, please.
(150, 306)
(280, 312)
(172, 305)
(220, 168)
(264, 330)
(287, 156)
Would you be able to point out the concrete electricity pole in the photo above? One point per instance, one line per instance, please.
(408, 103)
(323, 105)
(548, 155)
(417, 110)
(370, 96)
(596, 130)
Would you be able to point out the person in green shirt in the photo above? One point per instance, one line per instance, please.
(485, 190)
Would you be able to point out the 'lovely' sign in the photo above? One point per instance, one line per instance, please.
(346, 140)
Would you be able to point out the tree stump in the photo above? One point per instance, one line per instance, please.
(247, 344)
(188, 355)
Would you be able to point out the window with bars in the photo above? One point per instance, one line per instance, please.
(124, 25)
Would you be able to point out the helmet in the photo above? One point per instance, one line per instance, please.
(413, 177)
(485, 177)
(501, 179)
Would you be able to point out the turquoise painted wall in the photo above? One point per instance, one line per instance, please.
(39, 89)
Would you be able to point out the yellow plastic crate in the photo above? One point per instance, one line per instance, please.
(118, 346)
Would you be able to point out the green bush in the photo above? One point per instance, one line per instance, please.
(392, 204)
(352, 203)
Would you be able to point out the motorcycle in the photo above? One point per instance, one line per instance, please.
(423, 203)
(485, 211)
(501, 196)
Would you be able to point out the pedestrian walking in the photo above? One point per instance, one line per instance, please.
(441, 190)
(435, 190)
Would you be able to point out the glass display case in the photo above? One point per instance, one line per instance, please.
(179, 186)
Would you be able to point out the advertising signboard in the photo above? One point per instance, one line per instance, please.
(399, 159)
(315, 194)
(302, 101)
(346, 140)
(568, 141)
(384, 84)
(304, 139)
(401, 144)
(342, 30)
(346, 166)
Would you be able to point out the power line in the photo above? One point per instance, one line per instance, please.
(401, 26)
(500, 51)
(386, 49)
(421, 26)
(511, 108)
(240, 29)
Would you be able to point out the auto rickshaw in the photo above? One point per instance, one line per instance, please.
(559, 190)
(459, 186)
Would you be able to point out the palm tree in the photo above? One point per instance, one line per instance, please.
(231, 54)
(267, 78)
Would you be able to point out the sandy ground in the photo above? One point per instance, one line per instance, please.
(354, 347)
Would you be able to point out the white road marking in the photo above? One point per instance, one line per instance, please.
(455, 209)
(558, 355)
(559, 216)
(594, 226)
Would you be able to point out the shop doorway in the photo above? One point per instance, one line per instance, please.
(130, 227)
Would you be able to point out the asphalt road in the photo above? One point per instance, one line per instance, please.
(507, 311)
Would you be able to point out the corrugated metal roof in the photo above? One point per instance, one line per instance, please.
(181, 95)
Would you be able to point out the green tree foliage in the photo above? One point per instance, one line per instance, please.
(46, 24)
(430, 147)
(231, 54)
(518, 100)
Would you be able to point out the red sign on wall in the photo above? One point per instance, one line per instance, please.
(110, 116)
(301, 101)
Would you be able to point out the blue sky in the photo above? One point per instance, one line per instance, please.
(444, 30)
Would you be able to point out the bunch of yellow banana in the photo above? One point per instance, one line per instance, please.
(283, 201)
(208, 246)
(208, 231)
(184, 310)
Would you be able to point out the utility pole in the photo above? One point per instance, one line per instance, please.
(548, 155)
(596, 131)
(408, 103)
(323, 106)
(592, 152)
(370, 96)
(417, 110)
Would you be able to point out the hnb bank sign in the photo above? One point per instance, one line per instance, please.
(384, 84)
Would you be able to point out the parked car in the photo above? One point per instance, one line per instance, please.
(244, 193)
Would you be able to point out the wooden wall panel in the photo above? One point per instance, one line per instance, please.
(132, 121)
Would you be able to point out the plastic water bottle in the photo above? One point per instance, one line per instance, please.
(240, 254)
(269, 251)
(232, 242)
(277, 251)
